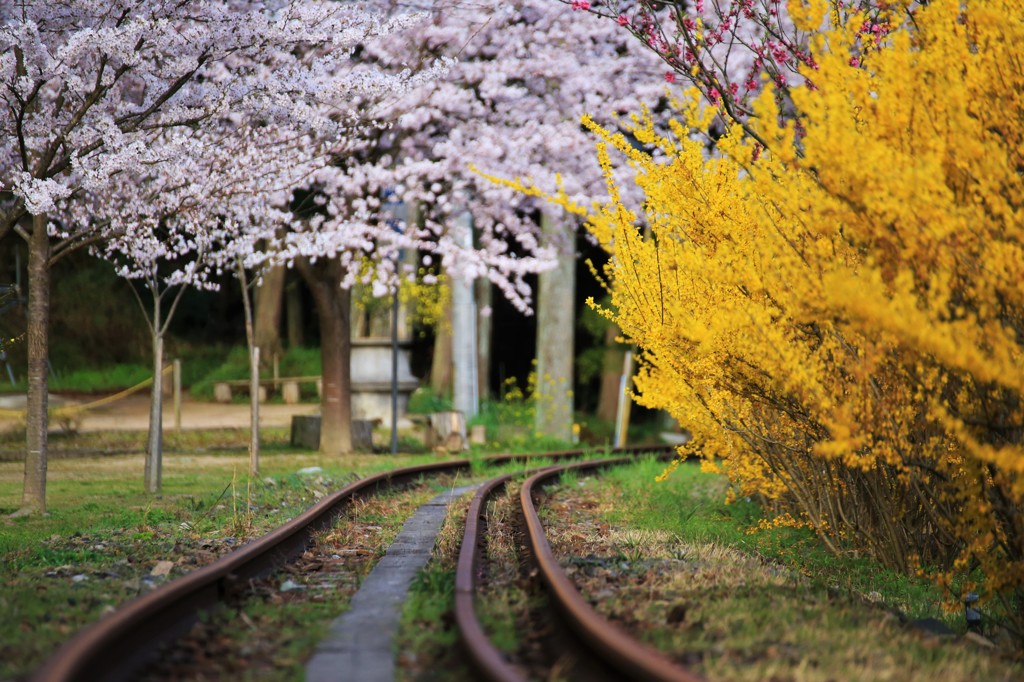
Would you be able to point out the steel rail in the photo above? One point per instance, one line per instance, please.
(630, 657)
(604, 640)
(114, 647)
(468, 571)
(486, 657)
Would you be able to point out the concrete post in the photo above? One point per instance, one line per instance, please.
(556, 320)
(465, 390)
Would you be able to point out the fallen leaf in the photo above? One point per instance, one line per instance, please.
(162, 568)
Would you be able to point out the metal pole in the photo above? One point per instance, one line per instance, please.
(622, 413)
(254, 412)
(394, 372)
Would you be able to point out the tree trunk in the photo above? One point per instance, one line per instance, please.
(267, 319)
(464, 338)
(254, 367)
(556, 322)
(441, 362)
(484, 333)
(464, 350)
(611, 371)
(334, 308)
(33, 498)
(155, 442)
(293, 315)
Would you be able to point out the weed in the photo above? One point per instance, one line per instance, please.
(104, 528)
(774, 605)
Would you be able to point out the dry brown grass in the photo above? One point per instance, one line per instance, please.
(735, 616)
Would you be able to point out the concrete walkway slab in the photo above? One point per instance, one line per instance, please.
(360, 645)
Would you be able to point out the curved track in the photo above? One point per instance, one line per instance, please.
(601, 639)
(117, 645)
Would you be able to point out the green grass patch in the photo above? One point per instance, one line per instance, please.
(425, 401)
(691, 505)
(427, 645)
(104, 379)
(700, 580)
(234, 366)
(272, 632)
(103, 535)
(272, 440)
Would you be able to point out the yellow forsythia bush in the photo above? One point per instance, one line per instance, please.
(838, 315)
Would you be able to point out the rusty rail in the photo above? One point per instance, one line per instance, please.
(486, 657)
(117, 645)
(605, 641)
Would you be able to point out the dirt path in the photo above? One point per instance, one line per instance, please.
(132, 414)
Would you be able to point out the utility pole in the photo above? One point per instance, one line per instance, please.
(466, 396)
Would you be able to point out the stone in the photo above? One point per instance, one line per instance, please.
(162, 568)
(306, 432)
(449, 430)
(222, 392)
(290, 392)
(980, 640)
(363, 638)
(478, 435)
(362, 434)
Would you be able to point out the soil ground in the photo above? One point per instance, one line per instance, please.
(132, 414)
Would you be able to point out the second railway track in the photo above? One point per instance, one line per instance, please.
(602, 650)
(118, 645)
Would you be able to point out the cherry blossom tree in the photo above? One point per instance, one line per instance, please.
(511, 106)
(97, 95)
(185, 232)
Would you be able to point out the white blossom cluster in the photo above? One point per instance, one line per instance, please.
(173, 136)
(169, 135)
(511, 106)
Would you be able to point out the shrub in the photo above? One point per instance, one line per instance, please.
(837, 314)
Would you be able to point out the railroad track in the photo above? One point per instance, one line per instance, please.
(616, 653)
(120, 644)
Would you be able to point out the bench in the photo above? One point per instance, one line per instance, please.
(289, 387)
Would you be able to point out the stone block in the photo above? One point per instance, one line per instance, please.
(362, 435)
(449, 431)
(306, 432)
(222, 393)
(290, 392)
(478, 435)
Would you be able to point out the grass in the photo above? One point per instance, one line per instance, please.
(428, 639)
(197, 363)
(295, 362)
(92, 380)
(671, 562)
(690, 505)
(427, 645)
(103, 535)
(424, 401)
(271, 634)
(61, 443)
